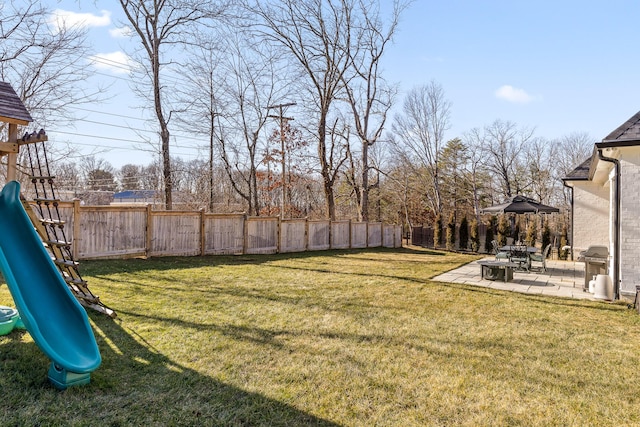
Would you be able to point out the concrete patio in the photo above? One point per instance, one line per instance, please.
(561, 279)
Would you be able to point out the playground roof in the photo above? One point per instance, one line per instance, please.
(12, 110)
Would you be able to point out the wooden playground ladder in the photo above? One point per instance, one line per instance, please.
(45, 216)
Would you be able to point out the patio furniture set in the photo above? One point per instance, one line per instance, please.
(512, 257)
(515, 257)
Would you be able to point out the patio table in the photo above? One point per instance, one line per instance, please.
(513, 248)
(493, 270)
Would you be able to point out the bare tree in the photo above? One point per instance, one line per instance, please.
(572, 150)
(68, 176)
(541, 156)
(368, 95)
(201, 114)
(161, 26)
(45, 63)
(151, 176)
(316, 34)
(476, 174)
(505, 144)
(418, 133)
(253, 84)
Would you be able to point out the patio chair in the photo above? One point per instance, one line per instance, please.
(496, 250)
(541, 258)
(520, 256)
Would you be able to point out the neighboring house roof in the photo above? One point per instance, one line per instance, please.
(136, 194)
(581, 173)
(12, 109)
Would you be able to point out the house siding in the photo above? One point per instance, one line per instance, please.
(629, 219)
(590, 216)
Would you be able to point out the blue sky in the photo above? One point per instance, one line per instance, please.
(560, 66)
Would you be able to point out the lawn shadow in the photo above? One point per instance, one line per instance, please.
(135, 385)
(99, 268)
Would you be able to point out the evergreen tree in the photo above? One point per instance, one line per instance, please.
(464, 233)
(437, 231)
(451, 233)
(491, 225)
(475, 235)
(504, 230)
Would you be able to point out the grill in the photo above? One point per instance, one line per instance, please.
(595, 260)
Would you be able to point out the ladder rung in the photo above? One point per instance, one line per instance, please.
(65, 262)
(60, 243)
(45, 200)
(52, 221)
(75, 281)
(39, 178)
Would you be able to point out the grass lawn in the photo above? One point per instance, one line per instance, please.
(354, 338)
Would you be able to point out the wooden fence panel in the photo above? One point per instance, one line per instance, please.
(125, 231)
(374, 234)
(293, 237)
(175, 233)
(111, 233)
(358, 234)
(398, 236)
(224, 234)
(261, 236)
(340, 234)
(318, 235)
(389, 236)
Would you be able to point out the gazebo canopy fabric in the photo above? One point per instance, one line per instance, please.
(520, 205)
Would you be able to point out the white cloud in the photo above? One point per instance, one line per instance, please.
(115, 62)
(513, 94)
(65, 18)
(121, 32)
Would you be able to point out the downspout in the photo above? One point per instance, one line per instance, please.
(571, 219)
(616, 224)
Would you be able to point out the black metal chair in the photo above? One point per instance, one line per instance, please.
(520, 256)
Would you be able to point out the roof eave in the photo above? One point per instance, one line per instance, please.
(615, 143)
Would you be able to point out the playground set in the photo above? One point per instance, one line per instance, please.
(37, 262)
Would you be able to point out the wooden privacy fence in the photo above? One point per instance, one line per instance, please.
(130, 231)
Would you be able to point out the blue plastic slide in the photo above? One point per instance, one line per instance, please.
(57, 322)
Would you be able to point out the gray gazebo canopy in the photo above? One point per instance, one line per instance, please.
(520, 205)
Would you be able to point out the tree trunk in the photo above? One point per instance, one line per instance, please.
(364, 194)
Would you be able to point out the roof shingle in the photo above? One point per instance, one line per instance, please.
(11, 107)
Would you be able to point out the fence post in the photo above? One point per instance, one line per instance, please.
(202, 232)
(279, 233)
(149, 232)
(245, 232)
(366, 234)
(76, 228)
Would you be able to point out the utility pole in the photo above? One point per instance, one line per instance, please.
(283, 120)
